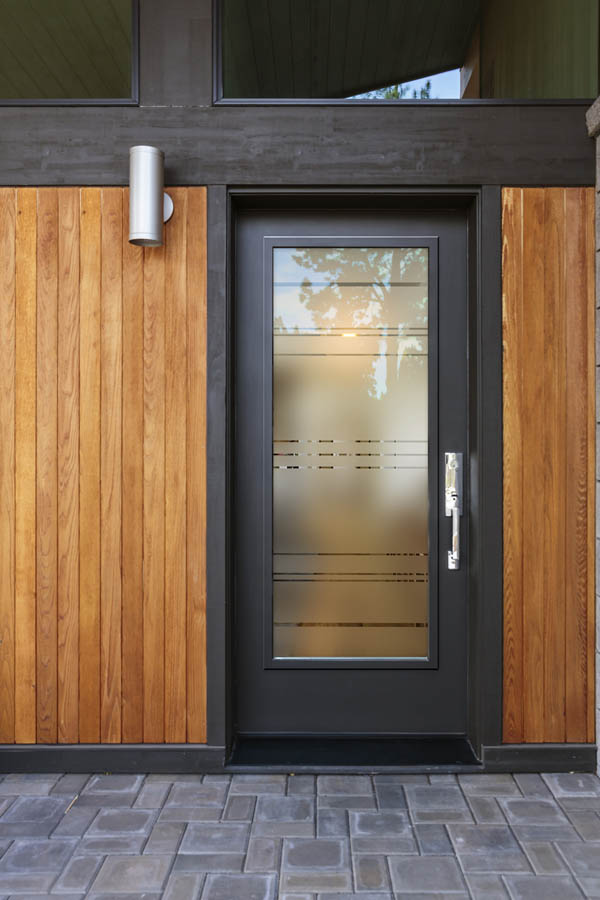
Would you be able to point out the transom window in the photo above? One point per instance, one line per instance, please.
(407, 50)
(67, 51)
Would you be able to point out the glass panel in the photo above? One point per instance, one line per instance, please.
(350, 452)
(65, 49)
(357, 49)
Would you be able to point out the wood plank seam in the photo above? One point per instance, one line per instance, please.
(89, 452)
(110, 479)
(7, 462)
(25, 466)
(520, 407)
(592, 487)
(47, 478)
(132, 485)
(68, 467)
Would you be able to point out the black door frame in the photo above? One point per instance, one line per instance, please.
(483, 206)
(431, 661)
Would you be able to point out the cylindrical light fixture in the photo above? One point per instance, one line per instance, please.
(149, 206)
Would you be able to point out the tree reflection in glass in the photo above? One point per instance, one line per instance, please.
(350, 451)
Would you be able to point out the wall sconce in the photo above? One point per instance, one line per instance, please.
(149, 206)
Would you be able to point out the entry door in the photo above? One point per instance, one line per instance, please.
(350, 526)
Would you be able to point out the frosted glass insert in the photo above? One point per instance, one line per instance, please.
(350, 442)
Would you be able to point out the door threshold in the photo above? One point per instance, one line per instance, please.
(352, 754)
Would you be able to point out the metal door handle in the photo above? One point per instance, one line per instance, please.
(453, 494)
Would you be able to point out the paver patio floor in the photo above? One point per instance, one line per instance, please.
(300, 837)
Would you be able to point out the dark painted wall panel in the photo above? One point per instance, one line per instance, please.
(541, 48)
(176, 52)
(400, 145)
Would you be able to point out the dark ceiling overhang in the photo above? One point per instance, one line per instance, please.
(338, 48)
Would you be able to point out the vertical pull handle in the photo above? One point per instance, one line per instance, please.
(454, 552)
(453, 493)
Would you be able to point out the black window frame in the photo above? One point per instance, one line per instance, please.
(220, 100)
(132, 100)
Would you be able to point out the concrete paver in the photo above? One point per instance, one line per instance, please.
(300, 837)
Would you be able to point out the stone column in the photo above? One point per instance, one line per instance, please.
(593, 124)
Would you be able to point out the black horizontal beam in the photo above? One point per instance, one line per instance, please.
(540, 758)
(296, 145)
(156, 758)
(200, 758)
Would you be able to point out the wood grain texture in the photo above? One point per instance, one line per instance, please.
(25, 467)
(553, 461)
(533, 470)
(175, 471)
(549, 453)
(154, 494)
(196, 466)
(7, 463)
(512, 346)
(68, 466)
(590, 257)
(47, 470)
(577, 468)
(89, 466)
(102, 471)
(133, 490)
(110, 464)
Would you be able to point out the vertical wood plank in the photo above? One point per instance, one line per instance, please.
(89, 462)
(590, 258)
(7, 464)
(47, 475)
(175, 470)
(94, 470)
(196, 465)
(132, 489)
(558, 376)
(154, 493)
(533, 474)
(25, 467)
(512, 313)
(576, 437)
(110, 465)
(68, 466)
(553, 462)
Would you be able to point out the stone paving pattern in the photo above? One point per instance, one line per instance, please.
(300, 837)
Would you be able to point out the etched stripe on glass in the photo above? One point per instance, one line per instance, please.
(350, 452)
